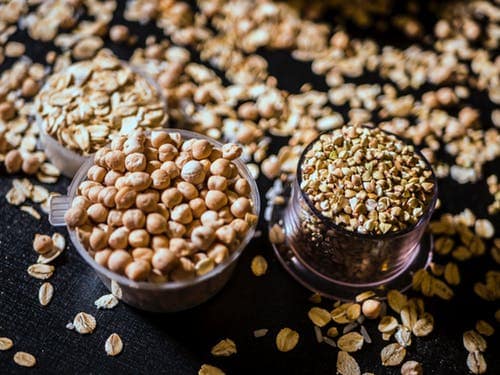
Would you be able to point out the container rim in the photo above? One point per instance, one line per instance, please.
(255, 196)
(429, 209)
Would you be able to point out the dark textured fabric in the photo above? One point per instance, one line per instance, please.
(179, 343)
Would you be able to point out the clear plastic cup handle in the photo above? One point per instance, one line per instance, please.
(58, 207)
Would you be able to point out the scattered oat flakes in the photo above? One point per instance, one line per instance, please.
(476, 363)
(260, 332)
(24, 359)
(484, 228)
(30, 210)
(113, 345)
(84, 323)
(474, 342)
(259, 265)
(286, 339)
(319, 316)
(350, 342)
(41, 271)
(210, 370)
(392, 355)
(45, 293)
(276, 234)
(412, 368)
(5, 343)
(347, 365)
(224, 348)
(107, 301)
(484, 328)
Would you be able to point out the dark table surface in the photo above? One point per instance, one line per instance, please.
(179, 343)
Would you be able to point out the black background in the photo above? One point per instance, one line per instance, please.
(179, 343)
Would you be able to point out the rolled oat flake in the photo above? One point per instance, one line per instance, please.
(113, 345)
(24, 359)
(84, 323)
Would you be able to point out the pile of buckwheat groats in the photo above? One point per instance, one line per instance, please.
(211, 67)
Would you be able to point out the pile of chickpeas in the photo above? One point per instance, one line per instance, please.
(157, 207)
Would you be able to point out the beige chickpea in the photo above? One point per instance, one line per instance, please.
(172, 169)
(118, 260)
(187, 145)
(159, 241)
(231, 197)
(248, 111)
(135, 162)
(118, 239)
(182, 159)
(183, 271)
(125, 198)
(211, 219)
(42, 244)
(102, 256)
(115, 218)
(98, 213)
(240, 226)
(201, 149)
(187, 190)
(371, 308)
(231, 151)
(221, 167)
(202, 237)
(85, 186)
(217, 183)
(115, 160)
(164, 260)
(83, 233)
(99, 156)
(80, 201)
(218, 252)
(181, 247)
(98, 239)
(107, 196)
(118, 33)
(143, 253)
(167, 152)
(147, 201)
(117, 143)
(75, 216)
(93, 193)
(163, 211)
(13, 161)
(29, 88)
(226, 234)
(134, 219)
(191, 226)
(242, 187)
(139, 238)
(193, 172)
(198, 257)
(215, 154)
(152, 166)
(111, 178)
(182, 213)
(215, 199)
(138, 181)
(206, 165)
(241, 206)
(134, 144)
(156, 223)
(160, 179)
(171, 197)
(31, 164)
(159, 138)
(198, 207)
(226, 215)
(151, 154)
(96, 173)
(175, 229)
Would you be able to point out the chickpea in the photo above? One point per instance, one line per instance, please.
(115, 218)
(139, 238)
(248, 111)
(182, 159)
(31, 164)
(118, 260)
(83, 233)
(81, 201)
(159, 241)
(160, 179)
(226, 234)
(172, 169)
(121, 182)
(193, 172)
(152, 166)
(7, 111)
(93, 193)
(171, 197)
(138, 181)
(226, 215)
(111, 178)
(148, 201)
(134, 219)
(135, 162)
(202, 237)
(211, 219)
(221, 167)
(201, 149)
(29, 88)
(86, 185)
(159, 138)
(119, 33)
(101, 257)
(182, 213)
(75, 216)
(98, 213)
(43, 244)
(217, 183)
(175, 229)
(240, 226)
(231, 151)
(181, 247)
(99, 157)
(134, 144)
(125, 198)
(156, 223)
(198, 207)
(242, 187)
(215, 154)
(188, 190)
(231, 196)
(215, 199)
(241, 206)
(164, 260)
(13, 161)
(167, 152)
(191, 226)
(107, 196)
(218, 252)
(117, 143)
(96, 173)
(118, 239)
(115, 160)
(143, 253)
(183, 271)
(98, 239)
(371, 308)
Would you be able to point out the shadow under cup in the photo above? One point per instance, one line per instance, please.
(349, 258)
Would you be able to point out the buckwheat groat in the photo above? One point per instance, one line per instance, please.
(156, 207)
